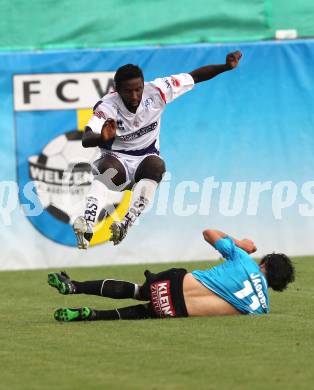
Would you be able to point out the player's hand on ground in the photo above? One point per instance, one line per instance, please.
(232, 59)
(248, 245)
(108, 131)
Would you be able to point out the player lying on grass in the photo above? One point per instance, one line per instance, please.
(237, 286)
(125, 126)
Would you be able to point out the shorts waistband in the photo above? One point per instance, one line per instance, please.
(151, 149)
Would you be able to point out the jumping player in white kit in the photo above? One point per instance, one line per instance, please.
(125, 126)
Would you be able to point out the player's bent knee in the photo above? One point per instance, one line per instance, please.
(152, 167)
(110, 171)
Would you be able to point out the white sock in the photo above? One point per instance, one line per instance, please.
(142, 196)
(99, 198)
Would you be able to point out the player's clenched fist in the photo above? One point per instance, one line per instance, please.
(108, 131)
(232, 59)
(248, 245)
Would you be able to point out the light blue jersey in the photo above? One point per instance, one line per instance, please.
(238, 280)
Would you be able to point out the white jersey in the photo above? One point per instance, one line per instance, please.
(138, 133)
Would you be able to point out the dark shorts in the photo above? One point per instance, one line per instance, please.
(165, 292)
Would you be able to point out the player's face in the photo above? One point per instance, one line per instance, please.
(262, 268)
(131, 92)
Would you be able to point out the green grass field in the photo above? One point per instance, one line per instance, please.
(224, 353)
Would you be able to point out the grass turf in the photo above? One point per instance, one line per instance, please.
(223, 353)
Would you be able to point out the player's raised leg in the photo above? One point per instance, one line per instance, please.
(110, 288)
(105, 191)
(147, 177)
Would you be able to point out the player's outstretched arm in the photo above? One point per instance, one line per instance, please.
(211, 236)
(108, 132)
(208, 72)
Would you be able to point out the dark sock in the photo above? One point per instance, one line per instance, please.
(104, 315)
(117, 289)
(138, 312)
(90, 287)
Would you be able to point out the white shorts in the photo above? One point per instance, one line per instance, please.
(129, 162)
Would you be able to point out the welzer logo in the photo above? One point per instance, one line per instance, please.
(161, 299)
(51, 110)
(62, 175)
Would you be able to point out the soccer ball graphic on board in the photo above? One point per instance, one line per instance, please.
(62, 174)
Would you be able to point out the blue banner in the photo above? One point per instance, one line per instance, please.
(238, 150)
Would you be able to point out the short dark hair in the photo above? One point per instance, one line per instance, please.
(127, 72)
(279, 270)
